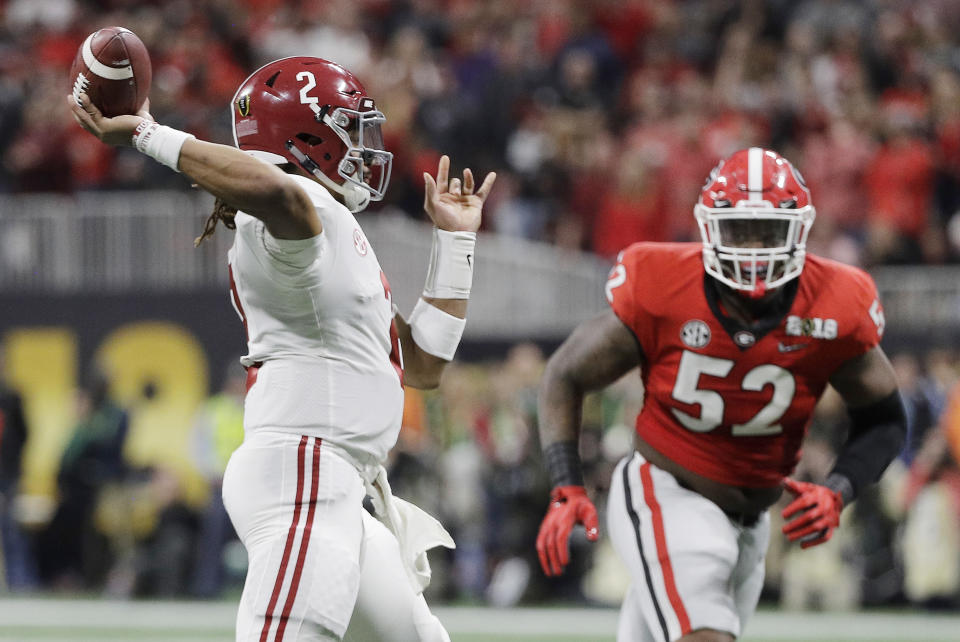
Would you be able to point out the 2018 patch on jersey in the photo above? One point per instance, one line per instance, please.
(728, 402)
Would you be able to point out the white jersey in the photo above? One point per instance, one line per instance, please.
(319, 317)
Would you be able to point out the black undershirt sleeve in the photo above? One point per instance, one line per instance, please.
(562, 460)
(877, 435)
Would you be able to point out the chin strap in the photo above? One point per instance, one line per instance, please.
(355, 198)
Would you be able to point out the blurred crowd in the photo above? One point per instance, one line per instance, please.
(468, 453)
(603, 117)
(113, 526)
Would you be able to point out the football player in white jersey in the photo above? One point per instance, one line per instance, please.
(327, 352)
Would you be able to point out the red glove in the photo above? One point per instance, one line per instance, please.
(569, 505)
(817, 510)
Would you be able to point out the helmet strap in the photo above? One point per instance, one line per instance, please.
(355, 198)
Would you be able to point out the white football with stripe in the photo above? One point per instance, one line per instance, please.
(113, 68)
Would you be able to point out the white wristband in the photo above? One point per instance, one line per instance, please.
(450, 274)
(160, 142)
(435, 331)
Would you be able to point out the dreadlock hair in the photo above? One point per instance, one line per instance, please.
(221, 212)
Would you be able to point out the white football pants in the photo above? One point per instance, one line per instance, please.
(691, 566)
(314, 552)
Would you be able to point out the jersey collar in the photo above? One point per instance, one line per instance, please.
(755, 331)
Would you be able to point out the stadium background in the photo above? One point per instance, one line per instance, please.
(602, 119)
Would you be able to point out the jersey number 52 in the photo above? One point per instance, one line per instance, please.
(687, 390)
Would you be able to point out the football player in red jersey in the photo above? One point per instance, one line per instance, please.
(736, 339)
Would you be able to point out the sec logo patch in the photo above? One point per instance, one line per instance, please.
(695, 333)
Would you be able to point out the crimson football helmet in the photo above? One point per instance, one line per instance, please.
(315, 114)
(754, 215)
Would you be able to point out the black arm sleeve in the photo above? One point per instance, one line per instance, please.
(562, 460)
(877, 434)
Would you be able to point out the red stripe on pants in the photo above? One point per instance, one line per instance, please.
(304, 542)
(278, 584)
(662, 553)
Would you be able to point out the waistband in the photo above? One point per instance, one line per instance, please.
(366, 464)
(745, 520)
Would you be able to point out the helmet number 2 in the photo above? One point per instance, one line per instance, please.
(311, 81)
(687, 390)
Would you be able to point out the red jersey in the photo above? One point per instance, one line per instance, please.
(731, 402)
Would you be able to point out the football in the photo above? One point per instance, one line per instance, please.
(112, 67)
